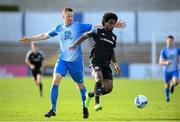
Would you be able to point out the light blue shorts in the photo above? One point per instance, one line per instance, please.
(75, 69)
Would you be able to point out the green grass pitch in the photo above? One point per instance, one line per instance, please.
(20, 101)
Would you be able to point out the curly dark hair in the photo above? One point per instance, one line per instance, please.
(107, 16)
(171, 37)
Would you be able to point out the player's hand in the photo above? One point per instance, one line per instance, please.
(168, 62)
(72, 47)
(24, 40)
(117, 68)
(32, 66)
(120, 24)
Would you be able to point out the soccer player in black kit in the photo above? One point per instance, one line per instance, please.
(35, 60)
(102, 54)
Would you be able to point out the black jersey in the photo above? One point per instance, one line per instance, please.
(103, 47)
(35, 58)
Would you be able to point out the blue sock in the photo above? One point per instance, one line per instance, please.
(54, 96)
(166, 91)
(83, 95)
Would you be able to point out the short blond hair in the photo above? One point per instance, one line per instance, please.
(67, 10)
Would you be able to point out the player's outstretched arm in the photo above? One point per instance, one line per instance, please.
(119, 24)
(78, 41)
(38, 37)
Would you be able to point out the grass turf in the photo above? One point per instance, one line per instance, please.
(20, 101)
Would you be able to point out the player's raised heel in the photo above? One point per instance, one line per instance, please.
(97, 107)
(50, 113)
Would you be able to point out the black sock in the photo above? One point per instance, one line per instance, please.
(91, 94)
(40, 88)
(103, 92)
(97, 100)
(97, 91)
(97, 88)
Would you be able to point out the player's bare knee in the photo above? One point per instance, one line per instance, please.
(166, 85)
(56, 79)
(80, 86)
(38, 79)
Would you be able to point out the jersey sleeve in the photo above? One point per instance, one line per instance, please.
(179, 51)
(92, 33)
(54, 32)
(162, 55)
(85, 27)
(42, 55)
(28, 54)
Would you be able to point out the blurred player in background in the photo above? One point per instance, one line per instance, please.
(35, 60)
(169, 58)
(69, 60)
(102, 54)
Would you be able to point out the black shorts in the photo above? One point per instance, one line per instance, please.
(104, 68)
(35, 72)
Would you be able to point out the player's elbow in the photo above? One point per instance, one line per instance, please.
(84, 37)
(45, 36)
(160, 62)
(26, 61)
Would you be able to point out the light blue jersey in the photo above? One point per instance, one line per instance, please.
(67, 35)
(69, 60)
(170, 54)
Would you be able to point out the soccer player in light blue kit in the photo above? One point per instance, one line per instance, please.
(69, 60)
(169, 57)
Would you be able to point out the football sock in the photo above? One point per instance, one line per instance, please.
(40, 88)
(54, 96)
(102, 92)
(166, 93)
(97, 91)
(83, 95)
(91, 94)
